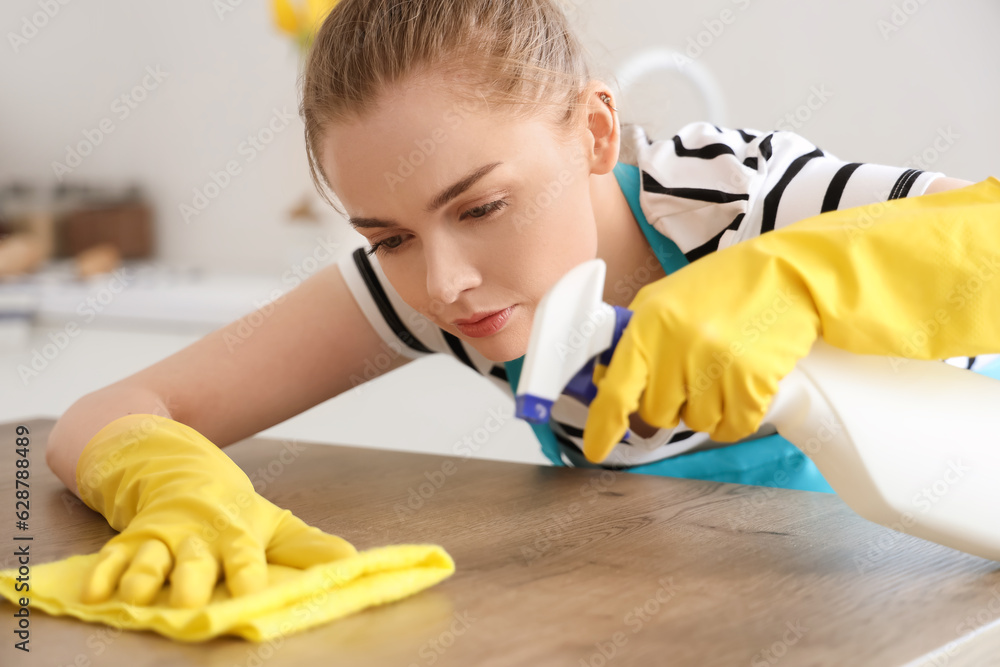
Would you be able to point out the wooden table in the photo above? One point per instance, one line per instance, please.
(560, 566)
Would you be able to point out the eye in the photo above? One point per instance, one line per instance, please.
(486, 209)
(391, 244)
(383, 247)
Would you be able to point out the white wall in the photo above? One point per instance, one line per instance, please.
(890, 95)
(896, 73)
(890, 98)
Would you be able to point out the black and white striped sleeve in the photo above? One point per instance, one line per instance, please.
(401, 327)
(710, 187)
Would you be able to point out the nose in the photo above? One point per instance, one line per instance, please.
(451, 268)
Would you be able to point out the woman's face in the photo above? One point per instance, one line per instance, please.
(471, 213)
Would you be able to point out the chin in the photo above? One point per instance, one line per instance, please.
(499, 353)
(499, 348)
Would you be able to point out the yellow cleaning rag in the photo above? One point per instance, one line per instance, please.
(294, 599)
(199, 553)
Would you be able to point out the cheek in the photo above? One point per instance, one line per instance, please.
(568, 239)
(558, 225)
(530, 262)
(410, 284)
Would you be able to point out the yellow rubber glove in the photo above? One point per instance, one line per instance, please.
(186, 512)
(709, 343)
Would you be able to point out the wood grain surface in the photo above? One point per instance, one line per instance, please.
(559, 566)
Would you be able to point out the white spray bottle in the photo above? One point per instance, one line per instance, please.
(912, 445)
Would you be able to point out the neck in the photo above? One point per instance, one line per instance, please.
(620, 242)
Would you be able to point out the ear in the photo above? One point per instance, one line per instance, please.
(604, 132)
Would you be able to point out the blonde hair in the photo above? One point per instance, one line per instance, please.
(521, 55)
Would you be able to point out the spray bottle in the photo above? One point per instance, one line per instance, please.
(903, 442)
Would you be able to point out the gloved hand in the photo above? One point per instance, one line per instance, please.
(709, 343)
(185, 510)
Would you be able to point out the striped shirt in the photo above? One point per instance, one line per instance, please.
(706, 188)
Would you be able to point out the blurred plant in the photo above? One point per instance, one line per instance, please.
(301, 19)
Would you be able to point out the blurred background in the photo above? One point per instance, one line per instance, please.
(154, 185)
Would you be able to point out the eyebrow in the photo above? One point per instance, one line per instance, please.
(438, 201)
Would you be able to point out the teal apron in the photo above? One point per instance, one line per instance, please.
(767, 461)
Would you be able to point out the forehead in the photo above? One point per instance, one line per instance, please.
(420, 139)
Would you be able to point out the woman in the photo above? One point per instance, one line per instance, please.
(468, 143)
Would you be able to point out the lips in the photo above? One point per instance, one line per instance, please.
(478, 317)
(486, 325)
